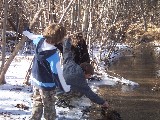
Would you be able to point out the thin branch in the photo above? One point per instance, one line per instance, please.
(36, 17)
(64, 12)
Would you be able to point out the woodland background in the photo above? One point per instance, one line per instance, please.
(105, 22)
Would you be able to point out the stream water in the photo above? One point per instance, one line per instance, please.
(141, 102)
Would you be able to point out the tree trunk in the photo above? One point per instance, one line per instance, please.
(85, 19)
(2, 80)
(26, 80)
(90, 24)
(143, 16)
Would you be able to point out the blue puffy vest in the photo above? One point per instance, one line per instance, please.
(41, 72)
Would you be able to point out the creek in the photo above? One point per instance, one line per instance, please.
(141, 102)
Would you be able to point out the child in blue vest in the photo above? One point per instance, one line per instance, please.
(46, 71)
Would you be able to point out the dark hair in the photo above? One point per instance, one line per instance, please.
(78, 39)
(54, 33)
(79, 35)
(87, 68)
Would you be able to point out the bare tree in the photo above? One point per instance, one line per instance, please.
(2, 80)
(17, 48)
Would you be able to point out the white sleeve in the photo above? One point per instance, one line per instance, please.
(61, 78)
(30, 35)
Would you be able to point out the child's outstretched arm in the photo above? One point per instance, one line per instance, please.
(30, 35)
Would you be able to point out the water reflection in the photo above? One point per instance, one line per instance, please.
(143, 102)
(127, 88)
(158, 73)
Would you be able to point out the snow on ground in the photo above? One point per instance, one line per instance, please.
(15, 92)
(16, 101)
